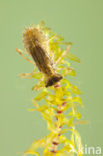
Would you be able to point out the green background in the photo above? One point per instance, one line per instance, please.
(79, 21)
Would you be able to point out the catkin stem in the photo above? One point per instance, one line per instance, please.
(55, 141)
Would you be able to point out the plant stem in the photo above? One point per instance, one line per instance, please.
(55, 142)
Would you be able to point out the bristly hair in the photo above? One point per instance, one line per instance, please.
(32, 34)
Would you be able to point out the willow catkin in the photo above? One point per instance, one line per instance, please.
(35, 44)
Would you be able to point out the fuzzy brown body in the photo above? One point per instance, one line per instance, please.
(35, 44)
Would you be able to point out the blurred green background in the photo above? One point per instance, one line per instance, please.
(79, 21)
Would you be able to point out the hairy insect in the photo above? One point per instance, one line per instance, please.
(35, 43)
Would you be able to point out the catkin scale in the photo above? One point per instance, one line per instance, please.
(35, 44)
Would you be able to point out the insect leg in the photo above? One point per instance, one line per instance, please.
(27, 75)
(21, 53)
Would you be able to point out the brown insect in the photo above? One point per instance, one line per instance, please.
(35, 43)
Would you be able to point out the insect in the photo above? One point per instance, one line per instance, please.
(35, 43)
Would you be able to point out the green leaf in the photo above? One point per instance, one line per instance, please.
(41, 95)
(73, 57)
(74, 89)
(71, 72)
(31, 109)
(37, 75)
(39, 85)
(77, 99)
(78, 142)
(35, 145)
